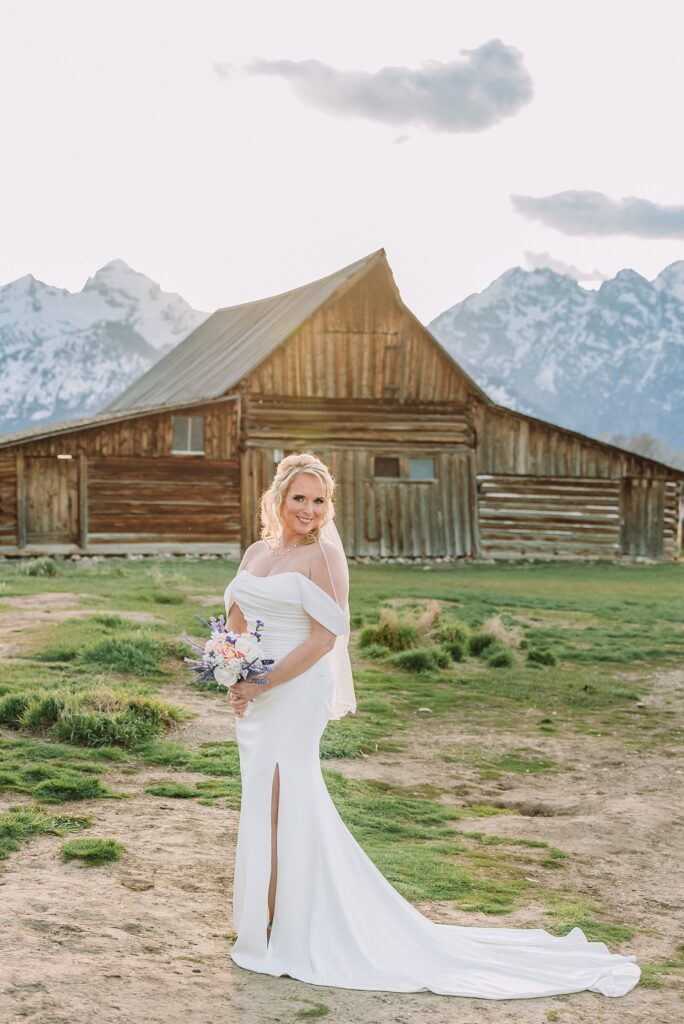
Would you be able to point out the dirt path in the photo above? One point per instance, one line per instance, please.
(45, 611)
(147, 939)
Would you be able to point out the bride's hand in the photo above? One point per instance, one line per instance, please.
(237, 706)
(242, 693)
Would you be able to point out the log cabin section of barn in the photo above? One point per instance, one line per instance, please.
(547, 492)
(121, 485)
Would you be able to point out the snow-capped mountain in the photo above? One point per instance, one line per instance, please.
(601, 362)
(65, 354)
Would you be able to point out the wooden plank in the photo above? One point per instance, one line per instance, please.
(21, 500)
(8, 499)
(83, 501)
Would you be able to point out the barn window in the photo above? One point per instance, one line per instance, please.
(188, 435)
(421, 469)
(385, 465)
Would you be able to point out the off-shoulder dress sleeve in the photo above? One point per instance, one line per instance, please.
(322, 607)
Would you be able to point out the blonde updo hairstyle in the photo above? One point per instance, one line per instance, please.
(273, 499)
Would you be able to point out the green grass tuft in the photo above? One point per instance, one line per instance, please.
(92, 852)
(110, 621)
(541, 656)
(390, 632)
(20, 824)
(456, 649)
(317, 1010)
(376, 652)
(40, 567)
(90, 716)
(479, 642)
(139, 656)
(498, 656)
(422, 659)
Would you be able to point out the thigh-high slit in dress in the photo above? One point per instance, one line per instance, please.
(337, 920)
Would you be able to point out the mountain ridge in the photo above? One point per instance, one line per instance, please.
(66, 354)
(600, 361)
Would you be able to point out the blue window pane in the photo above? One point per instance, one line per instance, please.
(421, 469)
(197, 433)
(180, 433)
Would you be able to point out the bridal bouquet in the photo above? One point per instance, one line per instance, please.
(228, 657)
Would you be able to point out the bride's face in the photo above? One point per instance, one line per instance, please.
(304, 505)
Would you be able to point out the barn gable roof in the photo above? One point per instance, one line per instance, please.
(234, 340)
(231, 343)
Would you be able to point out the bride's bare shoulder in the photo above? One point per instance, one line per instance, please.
(255, 549)
(327, 567)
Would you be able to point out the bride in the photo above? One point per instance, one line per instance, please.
(308, 902)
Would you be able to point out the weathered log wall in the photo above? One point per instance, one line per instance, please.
(147, 436)
(522, 516)
(270, 419)
(590, 517)
(380, 517)
(163, 499)
(8, 500)
(117, 483)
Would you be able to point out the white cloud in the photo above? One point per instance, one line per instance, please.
(475, 92)
(540, 260)
(595, 214)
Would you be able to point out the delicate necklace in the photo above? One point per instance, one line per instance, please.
(277, 554)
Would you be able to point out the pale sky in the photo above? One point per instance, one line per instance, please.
(134, 129)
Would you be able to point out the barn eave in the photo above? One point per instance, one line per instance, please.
(673, 471)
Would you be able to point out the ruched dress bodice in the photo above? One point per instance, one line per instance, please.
(285, 602)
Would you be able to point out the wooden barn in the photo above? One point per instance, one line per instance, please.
(428, 465)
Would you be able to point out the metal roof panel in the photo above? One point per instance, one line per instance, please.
(230, 344)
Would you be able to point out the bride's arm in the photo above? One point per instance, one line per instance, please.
(292, 664)
(301, 658)
(236, 621)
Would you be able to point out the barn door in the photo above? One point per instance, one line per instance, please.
(51, 500)
(641, 516)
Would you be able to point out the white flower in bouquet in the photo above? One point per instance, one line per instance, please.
(248, 646)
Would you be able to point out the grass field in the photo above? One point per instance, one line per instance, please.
(489, 696)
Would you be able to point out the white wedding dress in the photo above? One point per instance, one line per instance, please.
(337, 920)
